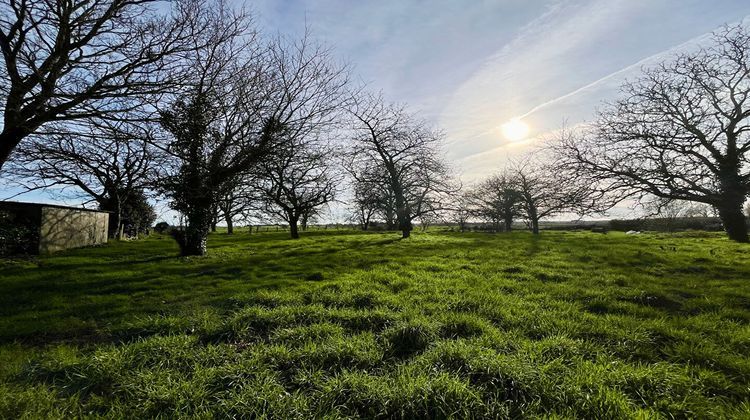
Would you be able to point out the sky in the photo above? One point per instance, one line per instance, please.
(469, 66)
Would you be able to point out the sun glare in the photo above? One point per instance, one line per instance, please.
(515, 130)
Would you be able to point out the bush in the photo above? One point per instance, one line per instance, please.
(136, 213)
(162, 227)
(17, 235)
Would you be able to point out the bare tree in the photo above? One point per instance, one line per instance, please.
(680, 132)
(692, 209)
(373, 197)
(110, 163)
(405, 153)
(235, 203)
(295, 183)
(498, 200)
(667, 211)
(463, 210)
(365, 204)
(545, 193)
(68, 60)
(311, 215)
(300, 176)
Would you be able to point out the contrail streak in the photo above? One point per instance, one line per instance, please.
(691, 42)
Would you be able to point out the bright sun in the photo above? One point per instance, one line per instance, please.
(515, 130)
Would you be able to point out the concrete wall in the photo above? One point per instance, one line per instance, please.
(64, 228)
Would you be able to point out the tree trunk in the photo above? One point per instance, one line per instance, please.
(402, 212)
(194, 241)
(733, 193)
(390, 224)
(733, 220)
(535, 226)
(508, 224)
(199, 222)
(293, 228)
(120, 224)
(110, 202)
(404, 224)
(115, 222)
(230, 225)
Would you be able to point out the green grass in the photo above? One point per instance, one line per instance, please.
(345, 324)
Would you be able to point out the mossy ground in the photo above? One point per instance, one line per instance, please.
(347, 324)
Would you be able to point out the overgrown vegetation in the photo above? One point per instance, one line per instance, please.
(343, 324)
(18, 234)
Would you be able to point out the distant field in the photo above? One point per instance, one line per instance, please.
(346, 324)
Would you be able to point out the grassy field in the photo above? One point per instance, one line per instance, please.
(345, 324)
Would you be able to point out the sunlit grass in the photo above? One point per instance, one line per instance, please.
(343, 324)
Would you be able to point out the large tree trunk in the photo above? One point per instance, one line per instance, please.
(194, 242)
(120, 225)
(733, 195)
(508, 224)
(734, 222)
(293, 228)
(198, 224)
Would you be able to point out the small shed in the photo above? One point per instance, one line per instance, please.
(46, 228)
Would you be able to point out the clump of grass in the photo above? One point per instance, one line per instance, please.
(259, 322)
(406, 394)
(409, 337)
(374, 320)
(462, 326)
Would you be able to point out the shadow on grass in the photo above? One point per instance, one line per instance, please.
(94, 291)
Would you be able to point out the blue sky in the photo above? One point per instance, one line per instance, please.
(469, 66)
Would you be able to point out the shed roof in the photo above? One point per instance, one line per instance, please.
(16, 204)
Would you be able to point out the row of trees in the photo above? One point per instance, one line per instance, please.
(118, 100)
